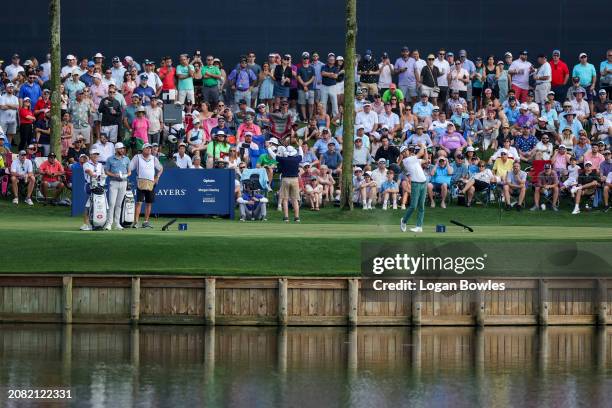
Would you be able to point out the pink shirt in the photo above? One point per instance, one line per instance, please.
(244, 127)
(140, 128)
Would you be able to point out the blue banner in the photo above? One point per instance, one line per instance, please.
(179, 192)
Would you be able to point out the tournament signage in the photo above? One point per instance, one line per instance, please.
(179, 192)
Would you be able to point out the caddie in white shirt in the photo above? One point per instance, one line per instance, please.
(93, 172)
(413, 165)
(149, 170)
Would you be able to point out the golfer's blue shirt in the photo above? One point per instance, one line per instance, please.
(117, 165)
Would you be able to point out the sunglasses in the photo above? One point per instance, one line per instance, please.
(430, 59)
(220, 105)
(442, 54)
(584, 56)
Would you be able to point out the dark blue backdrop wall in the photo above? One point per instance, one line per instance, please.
(150, 29)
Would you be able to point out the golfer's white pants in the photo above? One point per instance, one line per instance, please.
(331, 93)
(116, 192)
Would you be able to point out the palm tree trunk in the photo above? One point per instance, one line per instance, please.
(346, 184)
(56, 115)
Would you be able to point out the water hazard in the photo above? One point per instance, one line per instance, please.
(190, 366)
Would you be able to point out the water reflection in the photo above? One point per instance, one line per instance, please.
(182, 366)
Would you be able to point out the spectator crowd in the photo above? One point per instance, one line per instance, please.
(510, 129)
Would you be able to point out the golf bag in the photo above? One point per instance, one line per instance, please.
(98, 207)
(127, 208)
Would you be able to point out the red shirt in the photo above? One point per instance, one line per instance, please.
(559, 72)
(47, 167)
(23, 112)
(167, 76)
(42, 104)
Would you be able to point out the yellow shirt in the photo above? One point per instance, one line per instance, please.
(500, 168)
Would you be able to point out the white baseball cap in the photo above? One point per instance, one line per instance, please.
(291, 151)
(119, 145)
(98, 55)
(70, 57)
(94, 151)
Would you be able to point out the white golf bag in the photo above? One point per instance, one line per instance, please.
(98, 206)
(128, 208)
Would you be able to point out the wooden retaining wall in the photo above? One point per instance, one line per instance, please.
(295, 301)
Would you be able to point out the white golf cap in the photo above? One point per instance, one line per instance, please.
(94, 151)
(542, 118)
(75, 71)
(582, 54)
(220, 133)
(340, 58)
(368, 173)
(98, 55)
(119, 145)
(523, 106)
(359, 127)
(273, 141)
(97, 75)
(562, 146)
(144, 146)
(248, 133)
(356, 169)
(403, 149)
(470, 149)
(588, 162)
(503, 151)
(70, 57)
(195, 121)
(291, 151)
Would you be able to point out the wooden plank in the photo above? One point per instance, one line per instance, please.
(282, 302)
(102, 282)
(168, 282)
(602, 301)
(543, 302)
(135, 300)
(353, 300)
(67, 299)
(337, 283)
(209, 299)
(244, 283)
(30, 281)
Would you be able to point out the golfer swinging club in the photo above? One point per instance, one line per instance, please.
(418, 183)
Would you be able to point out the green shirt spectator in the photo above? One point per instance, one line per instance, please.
(386, 97)
(214, 70)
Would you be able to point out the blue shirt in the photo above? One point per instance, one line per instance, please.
(30, 91)
(421, 109)
(512, 114)
(87, 79)
(459, 171)
(243, 78)
(317, 69)
(329, 81)
(606, 79)
(585, 72)
(146, 93)
(525, 144)
(580, 151)
(306, 73)
(332, 160)
(441, 176)
(576, 126)
(117, 165)
(389, 185)
(320, 145)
